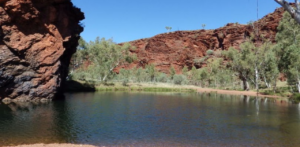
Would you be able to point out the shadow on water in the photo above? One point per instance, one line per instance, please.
(28, 123)
(74, 86)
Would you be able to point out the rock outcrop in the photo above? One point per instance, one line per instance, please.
(180, 48)
(37, 40)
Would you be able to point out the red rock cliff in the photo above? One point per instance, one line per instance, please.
(37, 40)
(180, 48)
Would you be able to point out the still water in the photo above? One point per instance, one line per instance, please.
(149, 119)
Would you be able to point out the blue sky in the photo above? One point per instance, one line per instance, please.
(127, 20)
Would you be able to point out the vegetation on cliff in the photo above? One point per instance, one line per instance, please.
(256, 64)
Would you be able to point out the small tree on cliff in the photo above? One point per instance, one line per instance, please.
(203, 26)
(168, 28)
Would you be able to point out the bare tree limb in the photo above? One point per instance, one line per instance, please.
(295, 12)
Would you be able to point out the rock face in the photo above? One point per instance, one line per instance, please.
(37, 40)
(180, 48)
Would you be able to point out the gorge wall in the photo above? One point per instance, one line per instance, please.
(180, 48)
(37, 40)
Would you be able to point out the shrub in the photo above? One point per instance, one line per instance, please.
(162, 77)
(218, 53)
(200, 60)
(209, 52)
(179, 79)
(295, 97)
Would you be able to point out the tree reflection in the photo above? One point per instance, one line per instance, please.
(28, 123)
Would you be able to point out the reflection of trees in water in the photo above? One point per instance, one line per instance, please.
(64, 128)
(26, 123)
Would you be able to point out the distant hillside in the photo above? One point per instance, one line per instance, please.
(180, 48)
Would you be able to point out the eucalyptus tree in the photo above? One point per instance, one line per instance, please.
(294, 67)
(172, 72)
(80, 55)
(287, 49)
(151, 71)
(168, 28)
(214, 66)
(237, 62)
(105, 56)
(269, 68)
(294, 11)
(288, 34)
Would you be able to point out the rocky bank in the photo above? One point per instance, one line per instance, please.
(180, 48)
(37, 40)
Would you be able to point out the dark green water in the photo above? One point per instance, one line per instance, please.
(148, 119)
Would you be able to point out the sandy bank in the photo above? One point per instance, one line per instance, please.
(53, 145)
(233, 92)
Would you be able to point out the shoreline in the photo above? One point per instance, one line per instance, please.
(53, 145)
(165, 87)
(235, 92)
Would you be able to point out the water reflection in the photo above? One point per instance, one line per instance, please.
(149, 119)
(26, 123)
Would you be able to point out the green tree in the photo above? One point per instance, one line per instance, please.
(203, 26)
(105, 56)
(238, 64)
(168, 28)
(80, 55)
(172, 72)
(269, 69)
(287, 49)
(185, 70)
(150, 69)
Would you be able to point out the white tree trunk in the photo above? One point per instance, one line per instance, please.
(294, 12)
(298, 85)
(256, 78)
(266, 82)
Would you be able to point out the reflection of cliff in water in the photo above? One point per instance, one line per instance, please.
(27, 123)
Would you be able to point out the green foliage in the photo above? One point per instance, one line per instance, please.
(179, 79)
(200, 60)
(150, 69)
(287, 49)
(185, 70)
(80, 56)
(172, 72)
(295, 98)
(168, 28)
(203, 26)
(209, 52)
(124, 76)
(102, 57)
(217, 53)
(162, 77)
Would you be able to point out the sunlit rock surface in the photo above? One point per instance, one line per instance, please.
(37, 40)
(180, 48)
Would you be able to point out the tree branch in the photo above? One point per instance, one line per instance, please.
(294, 12)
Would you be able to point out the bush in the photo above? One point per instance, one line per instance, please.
(218, 53)
(179, 79)
(78, 75)
(209, 52)
(200, 60)
(162, 77)
(295, 97)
